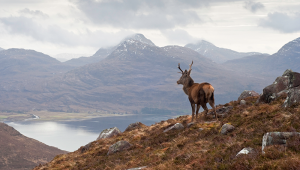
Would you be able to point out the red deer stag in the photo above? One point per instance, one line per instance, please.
(198, 94)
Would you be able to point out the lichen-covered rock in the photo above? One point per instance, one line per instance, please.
(177, 126)
(118, 147)
(288, 85)
(107, 133)
(293, 97)
(276, 138)
(246, 151)
(133, 126)
(226, 128)
(242, 102)
(247, 93)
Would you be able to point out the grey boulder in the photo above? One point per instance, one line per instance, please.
(118, 147)
(107, 133)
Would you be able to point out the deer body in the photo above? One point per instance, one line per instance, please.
(198, 94)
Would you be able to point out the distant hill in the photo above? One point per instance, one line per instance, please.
(18, 152)
(20, 68)
(217, 54)
(1, 49)
(63, 57)
(102, 53)
(287, 57)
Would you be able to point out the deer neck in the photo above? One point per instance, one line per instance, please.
(187, 86)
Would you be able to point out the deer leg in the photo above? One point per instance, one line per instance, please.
(198, 107)
(212, 104)
(205, 109)
(193, 110)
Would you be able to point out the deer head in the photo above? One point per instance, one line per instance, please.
(185, 78)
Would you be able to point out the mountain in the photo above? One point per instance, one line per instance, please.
(20, 68)
(1, 49)
(102, 53)
(204, 144)
(134, 76)
(217, 54)
(18, 152)
(287, 57)
(68, 56)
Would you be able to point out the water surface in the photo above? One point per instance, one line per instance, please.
(71, 135)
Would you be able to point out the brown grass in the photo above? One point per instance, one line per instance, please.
(193, 149)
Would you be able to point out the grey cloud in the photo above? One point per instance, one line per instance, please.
(59, 36)
(143, 14)
(178, 36)
(37, 13)
(282, 22)
(253, 6)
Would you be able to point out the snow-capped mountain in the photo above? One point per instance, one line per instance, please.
(217, 54)
(102, 53)
(287, 57)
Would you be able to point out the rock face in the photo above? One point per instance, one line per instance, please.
(246, 151)
(276, 138)
(133, 126)
(118, 147)
(286, 85)
(226, 128)
(177, 126)
(247, 93)
(107, 133)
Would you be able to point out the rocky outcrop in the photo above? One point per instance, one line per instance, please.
(276, 138)
(286, 85)
(247, 93)
(226, 128)
(118, 147)
(177, 126)
(107, 133)
(136, 125)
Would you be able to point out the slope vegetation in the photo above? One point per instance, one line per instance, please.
(194, 148)
(19, 152)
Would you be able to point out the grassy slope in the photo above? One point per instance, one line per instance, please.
(194, 149)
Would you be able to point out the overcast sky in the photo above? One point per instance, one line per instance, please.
(84, 26)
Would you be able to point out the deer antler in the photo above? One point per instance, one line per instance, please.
(179, 68)
(190, 67)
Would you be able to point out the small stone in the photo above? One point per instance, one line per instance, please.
(200, 129)
(143, 167)
(133, 126)
(246, 151)
(226, 128)
(86, 147)
(177, 126)
(247, 93)
(190, 124)
(242, 102)
(107, 133)
(118, 147)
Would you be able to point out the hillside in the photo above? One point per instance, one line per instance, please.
(287, 56)
(217, 54)
(201, 145)
(137, 75)
(19, 152)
